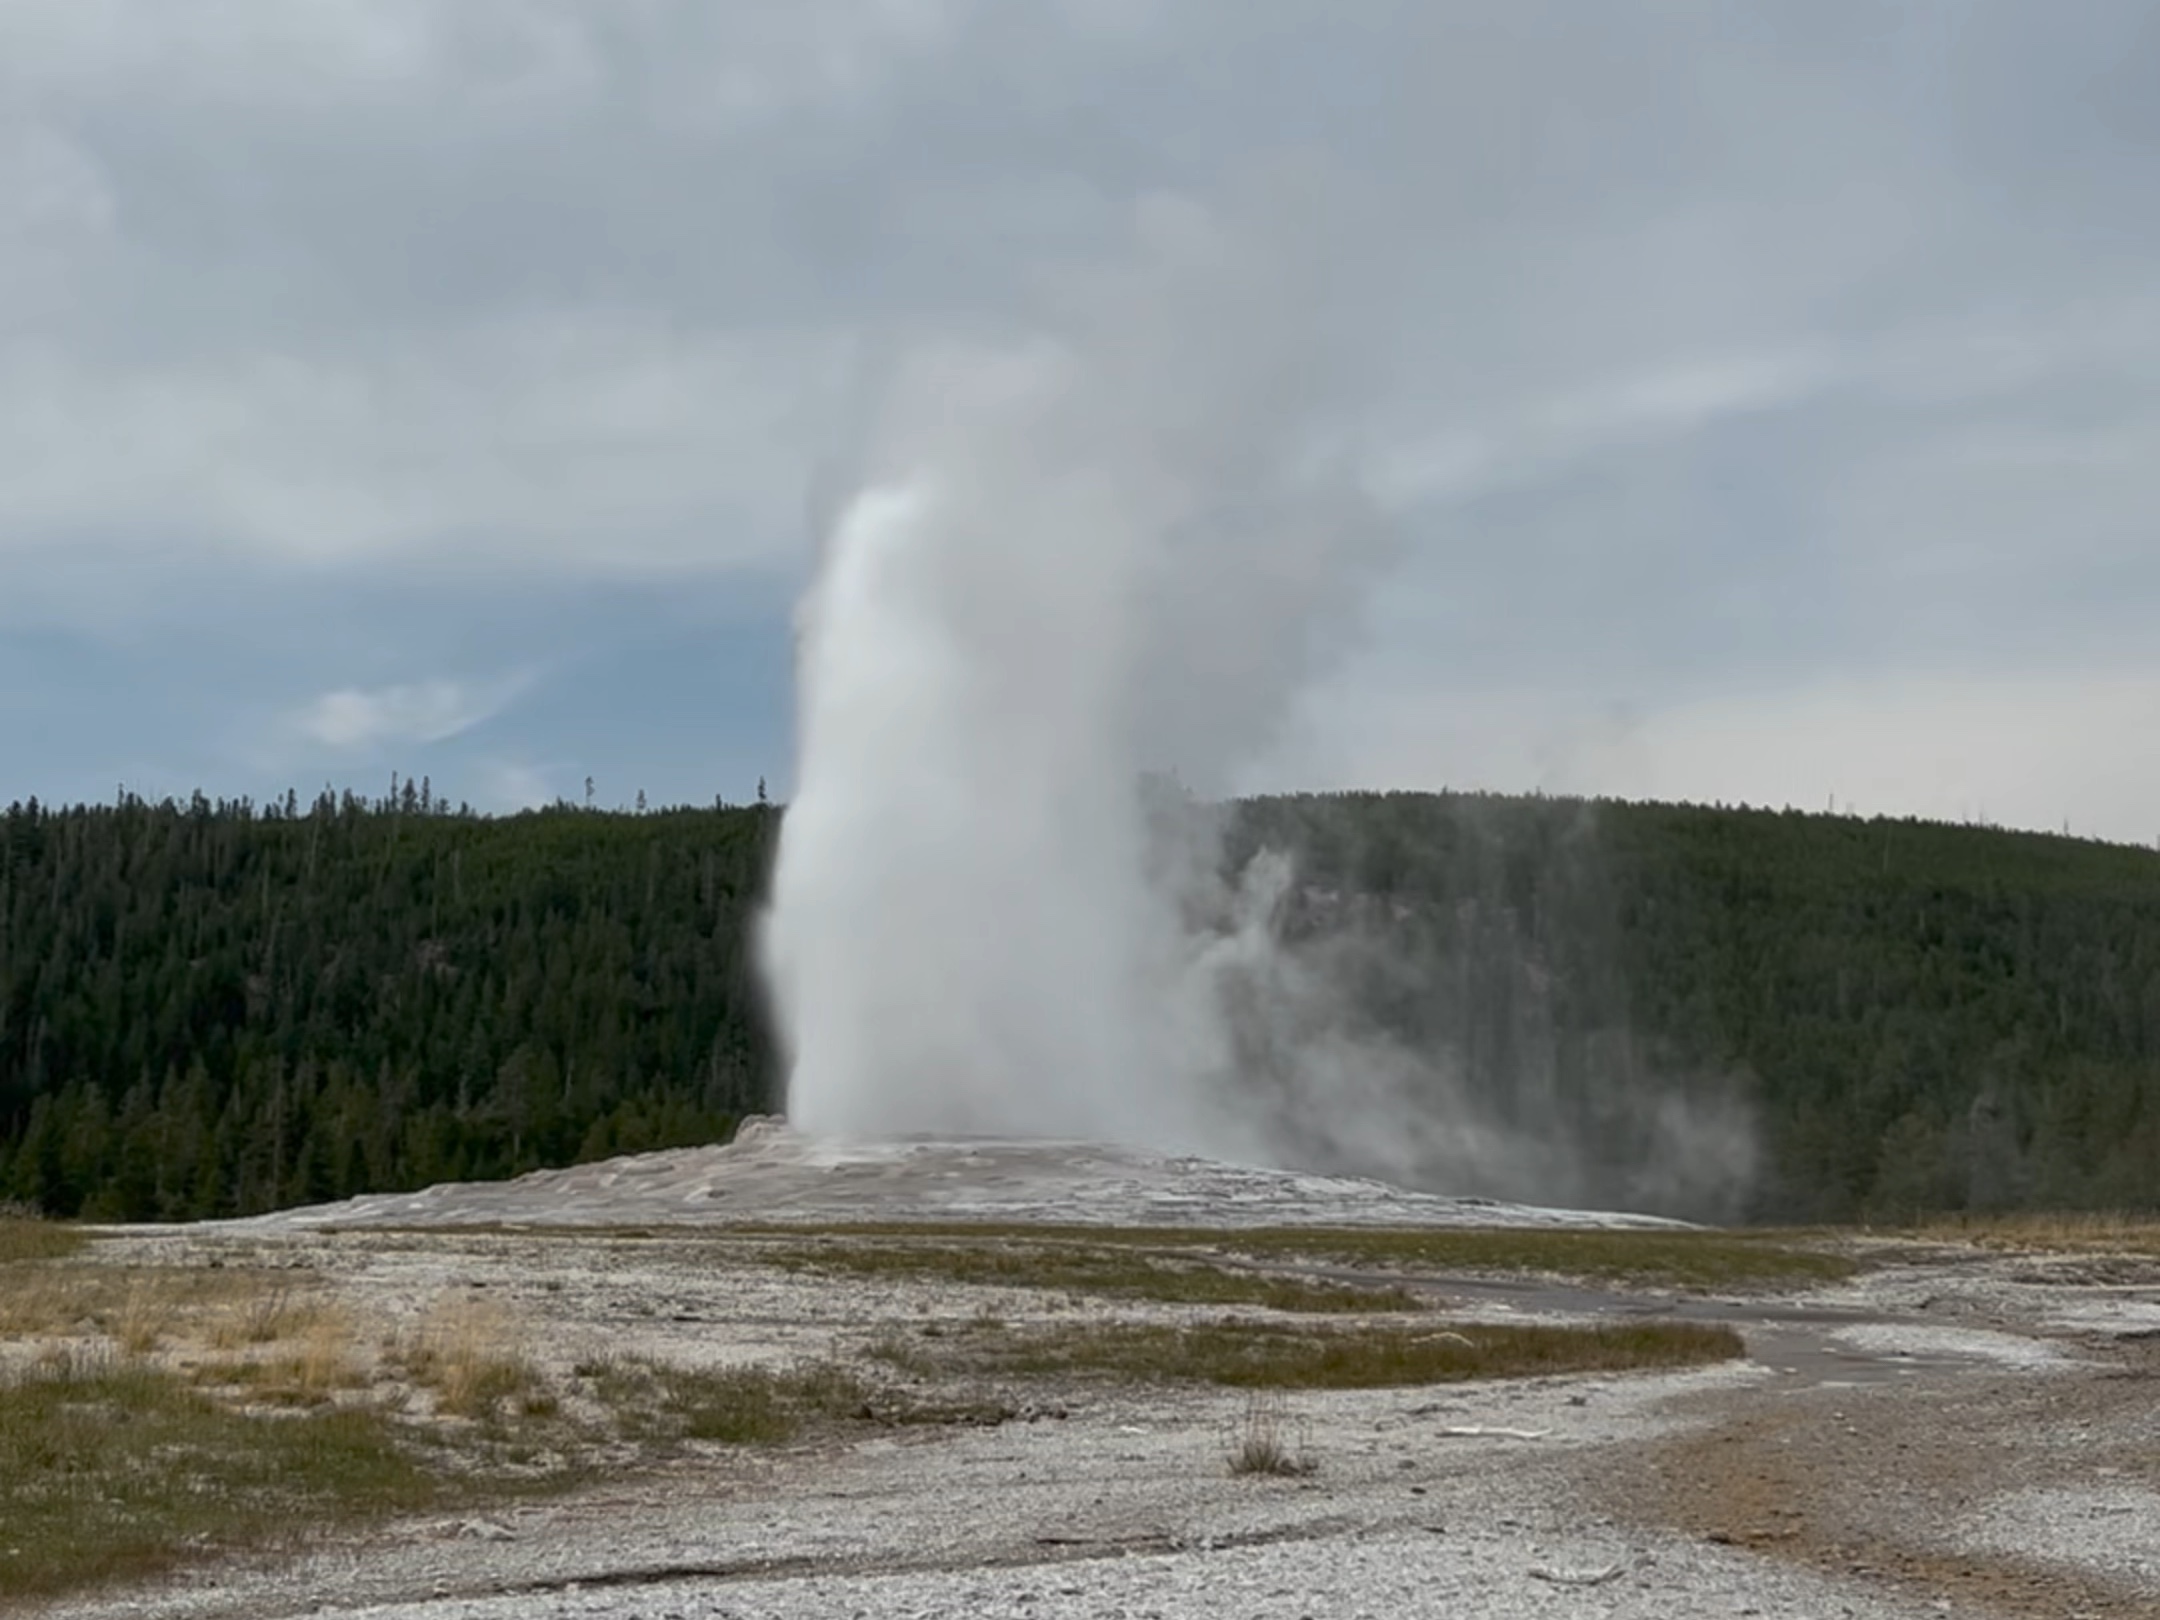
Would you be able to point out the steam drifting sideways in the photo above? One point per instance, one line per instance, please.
(1075, 560)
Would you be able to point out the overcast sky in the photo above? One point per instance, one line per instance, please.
(1770, 397)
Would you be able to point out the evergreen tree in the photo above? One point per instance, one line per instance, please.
(209, 1008)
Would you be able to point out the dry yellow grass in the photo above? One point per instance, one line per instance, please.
(1263, 1445)
(326, 1358)
(469, 1355)
(61, 1299)
(147, 1314)
(145, 1310)
(278, 1341)
(28, 1238)
(2059, 1231)
(272, 1311)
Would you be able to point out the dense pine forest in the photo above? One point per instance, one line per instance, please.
(1920, 1017)
(216, 1008)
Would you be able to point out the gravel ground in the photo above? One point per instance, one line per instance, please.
(2114, 1528)
(1124, 1508)
(1355, 1576)
(1951, 1433)
(1972, 1344)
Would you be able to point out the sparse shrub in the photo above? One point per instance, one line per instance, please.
(1262, 1446)
(734, 1406)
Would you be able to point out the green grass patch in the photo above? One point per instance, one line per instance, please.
(27, 1238)
(112, 1471)
(1252, 1355)
(1660, 1257)
(1118, 1272)
(1707, 1261)
(1685, 1258)
(739, 1406)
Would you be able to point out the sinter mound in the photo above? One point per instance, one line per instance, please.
(772, 1173)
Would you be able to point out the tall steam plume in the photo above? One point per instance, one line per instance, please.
(1081, 570)
(1105, 549)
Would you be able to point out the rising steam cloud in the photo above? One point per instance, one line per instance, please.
(1075, 560)
(1101, 549)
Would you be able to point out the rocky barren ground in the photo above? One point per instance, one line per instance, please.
(1951, 1429)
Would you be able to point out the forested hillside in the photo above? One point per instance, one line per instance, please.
(212, 1009)
(217, 1008)
(1922, 1016)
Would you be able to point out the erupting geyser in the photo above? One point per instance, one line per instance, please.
(1071, 564)
(1107, 549)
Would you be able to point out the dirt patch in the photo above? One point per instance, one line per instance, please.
(1894, 1482)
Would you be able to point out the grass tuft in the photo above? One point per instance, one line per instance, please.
(1659, 1257)
(1652, 1257)
(730, 1405)
(264, 1313)
(1254, 1355)
(469, 1356)
(146, 1316)
(324, 1363)
(1068, 1267)
(898, 1351)
(1262, 1446)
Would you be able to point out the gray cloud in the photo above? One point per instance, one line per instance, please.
(1706, 350)
(362, 720)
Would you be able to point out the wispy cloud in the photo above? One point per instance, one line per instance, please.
(516, 784)
(1545, 435)
(353, 720)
